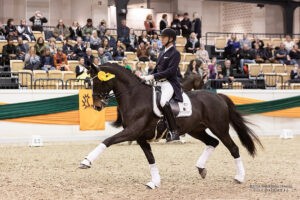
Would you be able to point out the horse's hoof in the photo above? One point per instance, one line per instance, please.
(85, 164)
(238, 179)
(151, 185)
(202, 172)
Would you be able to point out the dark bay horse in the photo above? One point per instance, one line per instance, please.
(192, 82)
(210, 110)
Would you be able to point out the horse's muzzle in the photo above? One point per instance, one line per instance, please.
(98, 108)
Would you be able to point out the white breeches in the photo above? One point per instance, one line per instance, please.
(167, 92)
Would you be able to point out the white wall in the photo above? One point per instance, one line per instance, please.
(297, 21)
(211, 17)
(274, 19)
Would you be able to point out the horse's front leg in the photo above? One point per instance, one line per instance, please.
(155, 177)
(128, 134)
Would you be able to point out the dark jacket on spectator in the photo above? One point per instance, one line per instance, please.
(11, 30)
(37, 23)
(246, 54)
(196, 27)
(123, 35)
(162, 25)
(189, 44)
(186, 31)
(112, 41)
(227, 72)
(295, 55)
(176, 25)
(7, 50)
(76, 33)
(88, 60)
(79, 50)
(43, 60)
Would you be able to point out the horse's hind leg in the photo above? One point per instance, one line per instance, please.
(211, 144)
(155, 177)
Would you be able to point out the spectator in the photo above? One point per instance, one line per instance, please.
(196, 25)
(75, 31)
(60, 60)
(193, 68)
(139, 70)
(186, 25)
(108, 51)
(47, 62)
(176, 24)
(245, 55)
(112, 41)
(124, 33)
(212, 69)
(258, 41)
(119, 51)
(102, 57)
(295, 74)
(52, 46)
(22, 49)
(151, 66)
(227, 70)
(143, 38)
(202, 54)
(88, 29)
(10, 29)
(259, 54)
(68, 49)
(133, 42)
(149, 25)
(96, 62)
(163, 22)
(281, 55)
(268, 55)
(61, 32)
(143, 52)
(40, 46)
(154, 51)
(2, 31)
(288, 43)
(79, 49)
(37, 21)
(95, 41)
(88, 57)
(192, 45)
(102, 28)
(232, 47)
(295, 55)
(125, 64)
(81, 70)
(32, 60)
(25, 31)
(245, 40)
(9, 51)
(156, 39)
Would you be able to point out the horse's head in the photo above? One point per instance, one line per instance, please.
(102, 84)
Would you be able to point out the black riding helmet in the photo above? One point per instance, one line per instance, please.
(170, 33)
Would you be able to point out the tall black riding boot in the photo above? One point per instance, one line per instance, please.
(173, 135)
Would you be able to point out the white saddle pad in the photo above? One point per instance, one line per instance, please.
(185, 107)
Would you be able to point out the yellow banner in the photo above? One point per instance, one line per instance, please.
(90, 119)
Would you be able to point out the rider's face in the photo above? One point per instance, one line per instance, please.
(164, 40)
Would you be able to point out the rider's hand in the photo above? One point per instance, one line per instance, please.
(147, 78)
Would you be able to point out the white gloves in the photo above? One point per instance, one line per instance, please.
(148, 77)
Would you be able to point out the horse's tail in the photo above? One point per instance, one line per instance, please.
(246, 134)
(118, 122)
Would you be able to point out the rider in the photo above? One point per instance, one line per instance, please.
(166, 73)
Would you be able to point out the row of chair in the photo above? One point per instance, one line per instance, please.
(268, 68)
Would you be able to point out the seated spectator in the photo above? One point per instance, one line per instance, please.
(202, 54)
(192, 45)
(47, 62)
(88, 29)
(268, 55)
(95, 41)
(227, 70)
(88, 57)
(288, 43)
(108, 50)
(295, 55)
(139, 71)
(149, 25)
(257, 41)
(22, 49)
(193, 68)
(32, 60)
(103, 58)
(151, 66)
(212, 69)
(232, 47)
(157, 40)
(96, 62)
(68, 50)
(25, 31)
(123, 33)
(176, 24)
(154, 51)
(111, 40)
(133, 42)
(119, 51)
(9, 51)
(52, 46)
(143, 38)
(61, 32)
(10, 29)
(295, 74)
(75, 31)
(163, 22)
(37, 21)
(245, 55)
(281, 55)
(125, 64)
(81, 70)
(60, 60)
(79, 48)
(102, 28)
(40, 46)
(2, 31)
(143, 52)
(259, 54)
(186, 26)
(245, 40)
